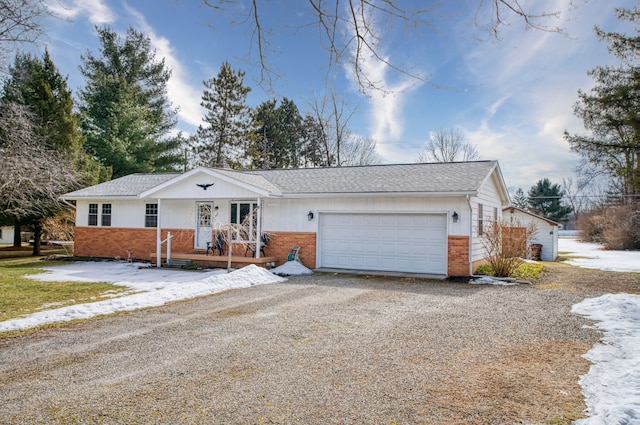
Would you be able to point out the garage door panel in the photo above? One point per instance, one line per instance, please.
(403, 242)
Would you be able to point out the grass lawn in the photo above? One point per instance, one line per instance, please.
(20, 295)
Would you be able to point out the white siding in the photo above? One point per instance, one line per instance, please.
(291, 214)
(489, 198)
(187, 189)
(546, 233)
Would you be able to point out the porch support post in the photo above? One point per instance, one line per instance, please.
(158, 239)
(259, 228)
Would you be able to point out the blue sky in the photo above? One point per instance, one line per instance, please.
(512, 99)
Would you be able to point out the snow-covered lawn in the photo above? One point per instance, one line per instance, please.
(148, 287)
(612, 385)
(592, 256)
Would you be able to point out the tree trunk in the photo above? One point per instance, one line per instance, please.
(37, 234)
(17, 237)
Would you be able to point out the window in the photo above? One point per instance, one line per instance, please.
(239, 213)
(105, 220)
(93, 215)
(495, 214)
(480, 220)
(151, 215)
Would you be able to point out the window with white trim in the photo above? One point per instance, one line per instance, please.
(105, 219)
(240, 213)
(480, 220)
(93, 215)
(151, 215)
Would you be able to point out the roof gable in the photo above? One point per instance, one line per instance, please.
(223, 183)
(513, 209)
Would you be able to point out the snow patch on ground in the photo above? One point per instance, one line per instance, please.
(612, 385)
(489, 280)
(593, 256)
(151, 287)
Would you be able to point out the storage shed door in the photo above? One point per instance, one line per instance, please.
(415, 243)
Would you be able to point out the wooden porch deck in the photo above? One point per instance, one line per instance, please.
(217, 260)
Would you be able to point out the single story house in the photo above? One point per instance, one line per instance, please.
(546, 233)
(422, 218)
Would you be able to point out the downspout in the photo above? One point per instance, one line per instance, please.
(470, 236)
(158, 239)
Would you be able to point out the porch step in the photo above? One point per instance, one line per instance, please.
(177, 263)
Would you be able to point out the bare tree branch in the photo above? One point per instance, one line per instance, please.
(20, 23)
(448, 146)
(351, 34)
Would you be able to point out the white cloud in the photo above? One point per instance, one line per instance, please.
(96, 10)
(386, 100)
(179, 90)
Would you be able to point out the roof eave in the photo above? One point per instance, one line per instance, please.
(376, 194)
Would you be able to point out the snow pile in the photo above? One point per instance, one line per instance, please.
(151, 287)
(291, 268)
(612, 386)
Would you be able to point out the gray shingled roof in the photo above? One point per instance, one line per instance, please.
(131, 185)
(453, 177)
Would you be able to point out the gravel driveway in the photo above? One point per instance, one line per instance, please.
(320, 349)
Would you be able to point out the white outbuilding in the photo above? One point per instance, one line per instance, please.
(546, 230)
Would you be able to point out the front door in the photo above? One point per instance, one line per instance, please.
(204, 224)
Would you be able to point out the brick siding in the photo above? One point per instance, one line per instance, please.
(281, 243)
(458, 264)
(113, 242)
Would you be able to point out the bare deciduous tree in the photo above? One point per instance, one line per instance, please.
(352, 31)
(20, 23)
(448, 146)
(32, 176)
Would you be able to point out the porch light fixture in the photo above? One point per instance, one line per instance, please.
(310, 216)
(454, 216)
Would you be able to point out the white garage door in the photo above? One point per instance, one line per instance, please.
(415, 243)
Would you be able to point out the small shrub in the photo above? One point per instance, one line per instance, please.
(523, 271)
(485, 269)
(529, 271)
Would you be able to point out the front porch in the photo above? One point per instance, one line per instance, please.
(217, 260)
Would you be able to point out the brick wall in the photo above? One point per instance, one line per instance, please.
(281, 243)
(112, 242)
(458, 264)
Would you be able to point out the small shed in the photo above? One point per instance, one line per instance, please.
(546, 230)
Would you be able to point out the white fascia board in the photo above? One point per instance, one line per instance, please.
(379, 194)
(502, 186)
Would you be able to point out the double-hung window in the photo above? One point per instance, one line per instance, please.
(480, 220)
(151, 215)
(105, 219)
(93, 215)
